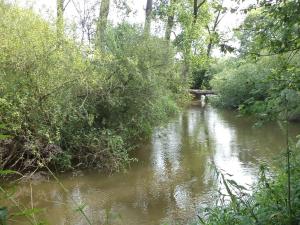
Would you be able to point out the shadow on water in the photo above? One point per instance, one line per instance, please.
(173, 176)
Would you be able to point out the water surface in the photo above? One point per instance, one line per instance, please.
(173, 177)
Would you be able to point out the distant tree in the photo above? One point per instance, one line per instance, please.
(61, 5)
(197, 6)
(148, 18)
(170, 20)
(87, 15)
(191, 35)
(218, 13)
(271, 27)
(102, 24)
(60, 19)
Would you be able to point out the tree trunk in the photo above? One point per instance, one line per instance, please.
(212, 31)
(195, 13)
(60, 20)
(170, 22)
(187, 63)
(102, 24)
(186, 67)
(148, 18)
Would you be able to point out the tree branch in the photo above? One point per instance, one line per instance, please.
(200, 4)
(66, 5)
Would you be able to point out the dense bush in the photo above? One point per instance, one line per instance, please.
(265, 87)
(68, 106)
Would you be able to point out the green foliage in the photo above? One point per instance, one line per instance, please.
(271, 28)
(239, 83)
(265, 79)
(259, 87)
(67, 106)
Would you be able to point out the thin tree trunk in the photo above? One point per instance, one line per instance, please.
(60, 20)
(102, 24)
(212, 31)
(187, 63)
(169, 27)
(196, 9)
(209, 47)
(170, 22)
(195, 13)
(148, 18)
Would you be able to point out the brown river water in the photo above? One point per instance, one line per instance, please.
(173, 179)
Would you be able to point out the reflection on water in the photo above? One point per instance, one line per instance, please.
(173, 177)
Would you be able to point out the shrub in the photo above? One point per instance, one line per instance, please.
(258, 87)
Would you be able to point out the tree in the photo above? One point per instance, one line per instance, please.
(148, 17)
(197, 7)
(200, 70)
(219, 11)
(102, 24)
(191, 34)
(60, 20)
(87, 14)
(60, 27)
(272, 27)
(170, 20)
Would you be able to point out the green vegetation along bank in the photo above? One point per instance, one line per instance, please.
(264, 79)
(64, 105)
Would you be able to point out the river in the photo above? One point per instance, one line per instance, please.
(173, 178)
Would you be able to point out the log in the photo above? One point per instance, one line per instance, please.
(202, 92)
